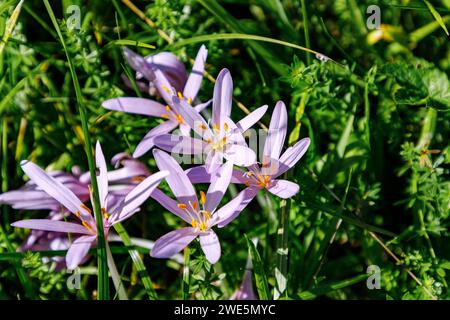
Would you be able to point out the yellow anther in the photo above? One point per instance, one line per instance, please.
(180, 119)
(225, 126)
(165, 116)
(189, 101)
(247, 184)
(138, 179)
(194, 223)
(194, 205)
(202, 197)
(216, 127)
(264, 165)
(250, 174)
(208, 141)
(105, 214)
(224, 141)
(85, 208)
(165, 88)
(182, 206)
(180, 95)
(77, 213)
(168, 108)
(202, 126)
(207, 215)
(86, 225)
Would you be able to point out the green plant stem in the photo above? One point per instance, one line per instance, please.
(103, 279)
(281, 270)
(186, 275)
(306, 30)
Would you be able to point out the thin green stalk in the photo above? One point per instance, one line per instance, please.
(103, 280)
(281, 270)
(139, 264)
(306, 30)
(186, 275)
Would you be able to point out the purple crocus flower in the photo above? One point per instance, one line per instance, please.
(172, 68)
(224, 139)
(155, 109)
(86, 226)
(201, 216)
(264, 176)
(121, 181)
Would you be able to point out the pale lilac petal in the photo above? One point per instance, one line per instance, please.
(29, 200)
(170, 205)
(102, 178)
(138, 63)
(185, 129)
(219, 185)
(213, 161)
(136, 105)
(178, 181)
(78, 251)
(240, 155)
(211, 246)
(148, 141)
(163, 86)
(232, 209)
(292, 155)
(283, 188)
(222, 98)
(171, 66)
(51, 225)
(131, 169)
(277, 133)
(198, 174)
(191, 117)
(249, 120)
(137, 196)
(173, 242)
(56, 189)
(195, 78)
(200, 107)
(180, 144)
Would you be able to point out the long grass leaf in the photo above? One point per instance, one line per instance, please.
(258, 270)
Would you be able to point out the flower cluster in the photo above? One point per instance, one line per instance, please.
(187, 130)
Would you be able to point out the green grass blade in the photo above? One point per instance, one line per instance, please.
(321, 290)
(436, 16)
(258, 270)
(103, 280)
(139, 264)
(10, 24)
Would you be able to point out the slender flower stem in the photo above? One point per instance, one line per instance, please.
(281, 270)
(186, 275)
(103, 279)
(306, 29)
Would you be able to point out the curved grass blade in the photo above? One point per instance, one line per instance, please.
(139, 264)
(128, 42)
(10, 24)
(103, 280)
(436, 16)
(258, 270)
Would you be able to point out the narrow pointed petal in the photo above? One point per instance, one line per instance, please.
(195, 78)
(78, 250)
(240, 155)
(142, 106)
(191, 117)
(180, 144)
(51, 225)
(56, 189)
(29, 200)
(277, 133)
(219, 185)
(170, 204)
(198, 174)
(202, 106)
(248, 121)
(211, 246)
(148, 141)
(292, 155)
(283, 188)
(163, 86)
(171, 66)
(138, 63)
(173, 242)
(232, 209)
(185, 130)
(102, 178)
(222, 98)
(178, 181)
(213, 161)
(137, 196)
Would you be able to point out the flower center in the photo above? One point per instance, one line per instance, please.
(200, 218)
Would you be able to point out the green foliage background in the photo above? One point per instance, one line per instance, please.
(374, 183)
